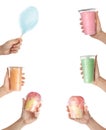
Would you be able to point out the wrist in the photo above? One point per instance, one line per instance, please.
(3, 92)
(101, 83)
(89, 121)
(21, 122)
(0, 49)
(101, 36)
(98, 80)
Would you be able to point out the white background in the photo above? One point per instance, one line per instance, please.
(50, 55)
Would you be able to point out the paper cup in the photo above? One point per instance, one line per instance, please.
(88, 65)
(88, 17)
(15, 74)
(76, 106)
(33, 101)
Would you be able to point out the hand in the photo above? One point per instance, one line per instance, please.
(6, 85)
(96, 71)
(11, 46)
(84, 120)
(27, 116)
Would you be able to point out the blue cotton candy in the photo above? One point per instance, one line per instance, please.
(28, 19)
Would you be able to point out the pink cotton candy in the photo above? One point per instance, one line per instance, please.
(76, 106)
(33, 101)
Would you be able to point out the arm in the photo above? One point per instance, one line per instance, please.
(101, 83)
(93, 125)
(87, 120)
(3, 92)
(18, 125)
(101, 36)
(11, 46)
(26, 118)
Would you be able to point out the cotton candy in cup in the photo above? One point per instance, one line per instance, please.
(76, 106)
(88, 17)
(33, 101)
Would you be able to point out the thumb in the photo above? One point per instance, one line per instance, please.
(23, 103)
(97, 74)
(6, 78)
(86, 109)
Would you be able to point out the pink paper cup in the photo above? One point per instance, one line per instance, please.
(88, 17)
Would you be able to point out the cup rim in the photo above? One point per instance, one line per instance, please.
(87, 9)
(85, 56)
(15, 67)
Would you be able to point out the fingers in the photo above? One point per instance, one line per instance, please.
(68, 110)
(16, 43)
(6, 78)
(81, 71)
(7, 73)
(15, 48)
(22, 79)
(95, 61)
(81, 23)
(14, 51)
(97, 19)
(96, 70)
(38, 108)
(81, 68)
(23, 101)
(86, 109)
(36, 114)
(82, 75)
(22, 83)
(96, 58)
(23, 104)
(17, 40)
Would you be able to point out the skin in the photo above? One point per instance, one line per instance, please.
(87, 120)
(11, 46)
(26, 118)
(100, 34)
(4, 89)
(98, 80)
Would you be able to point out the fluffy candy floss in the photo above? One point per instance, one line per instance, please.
(33, 101)
(76, 106)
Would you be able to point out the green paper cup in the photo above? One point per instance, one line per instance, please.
(88, 62)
